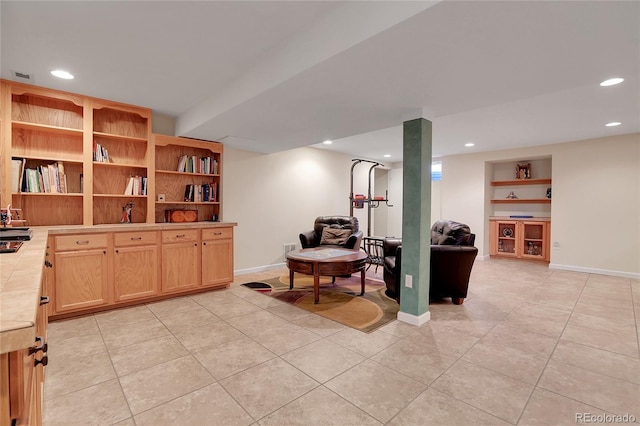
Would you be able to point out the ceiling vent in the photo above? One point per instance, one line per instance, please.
(23, 77)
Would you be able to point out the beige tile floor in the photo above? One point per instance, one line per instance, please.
(529, 346)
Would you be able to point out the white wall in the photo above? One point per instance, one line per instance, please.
(275, 197)
(595, 209)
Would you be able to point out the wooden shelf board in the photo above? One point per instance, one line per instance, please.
(542, 181)
(47, 128)
(522, 201)
(50, 194)
(56, 159)
(136, 166)
(189, 202)
(119, 137)
(119, 196)
(173, 172)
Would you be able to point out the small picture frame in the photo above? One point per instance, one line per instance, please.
(523, 171)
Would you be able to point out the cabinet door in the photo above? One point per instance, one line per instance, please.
(81, 279)
(533, 240)
(217, 262)
(507, 236)
(135, 272)
(179, 267)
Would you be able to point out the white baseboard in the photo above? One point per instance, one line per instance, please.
(485, 257)
(632, 275)
(413, 319)
(258, 269)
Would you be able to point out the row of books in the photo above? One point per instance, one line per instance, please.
(194, 164)
(100, 153)
(201, 193)
(136, 185)
(46, 178)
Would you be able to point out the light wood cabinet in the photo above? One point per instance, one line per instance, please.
(180, 162)
(81, 272)
(22, 377)
(120, 151)
(217, 256)
(91, 148)
(135, 265)
(521, 239)
(180, 260)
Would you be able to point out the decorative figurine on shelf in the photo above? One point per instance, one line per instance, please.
(126, 212)
(500, 248)
(530, 249)
(6, 217)
(549, 193)
(523, 171)
(512, 196)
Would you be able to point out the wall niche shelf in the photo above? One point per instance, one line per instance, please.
(522, 201)
(521, 182)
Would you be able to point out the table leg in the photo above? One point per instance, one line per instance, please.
(316, 288)
(362, 273)
(290, 279)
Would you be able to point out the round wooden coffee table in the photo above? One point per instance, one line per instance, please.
(321, 261)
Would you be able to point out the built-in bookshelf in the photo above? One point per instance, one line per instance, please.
(46, 139)
(187, 175)
(97, 157)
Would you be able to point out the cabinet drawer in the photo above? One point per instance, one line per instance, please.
(180, 236)
(143, 238)
(217, 234)
(80, 242)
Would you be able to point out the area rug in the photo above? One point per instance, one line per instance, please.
(339, 301)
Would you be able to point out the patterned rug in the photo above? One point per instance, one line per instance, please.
(339, 301)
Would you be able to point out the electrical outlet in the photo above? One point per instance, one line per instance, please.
(408, 281)
(556, 245)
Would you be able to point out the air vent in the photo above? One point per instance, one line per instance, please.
(23, 77)
(287, 249)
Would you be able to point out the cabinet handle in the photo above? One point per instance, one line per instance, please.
(117, 251)
(82, 243)
(217, 233)
(44, 361)
(135, 238)
(181, 236)
(48, 264)
(104, 252)
(195, 244)
(44, 300)
(41, 346)
(204, 243)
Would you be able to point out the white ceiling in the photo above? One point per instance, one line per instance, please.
(268, 76)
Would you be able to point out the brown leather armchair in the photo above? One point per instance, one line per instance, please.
(333, 231)
(452, 257)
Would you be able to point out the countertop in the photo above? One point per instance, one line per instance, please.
(21, 276)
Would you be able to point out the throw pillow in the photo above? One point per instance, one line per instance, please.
(335, 236)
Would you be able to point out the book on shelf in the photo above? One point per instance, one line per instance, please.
(207, 192)
(136, 185)
(194, 164)
(49, 178)
(17, 172)
(100, 153)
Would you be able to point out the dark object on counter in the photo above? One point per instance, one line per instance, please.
(10, 246)
(15, 234)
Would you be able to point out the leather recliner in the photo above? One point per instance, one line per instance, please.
(333, 231)
(452, 257)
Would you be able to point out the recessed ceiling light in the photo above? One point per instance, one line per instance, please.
(327, 142)
(387, 155)
(62, 74)
(468, 144)
(612, 81)
(613, 124)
